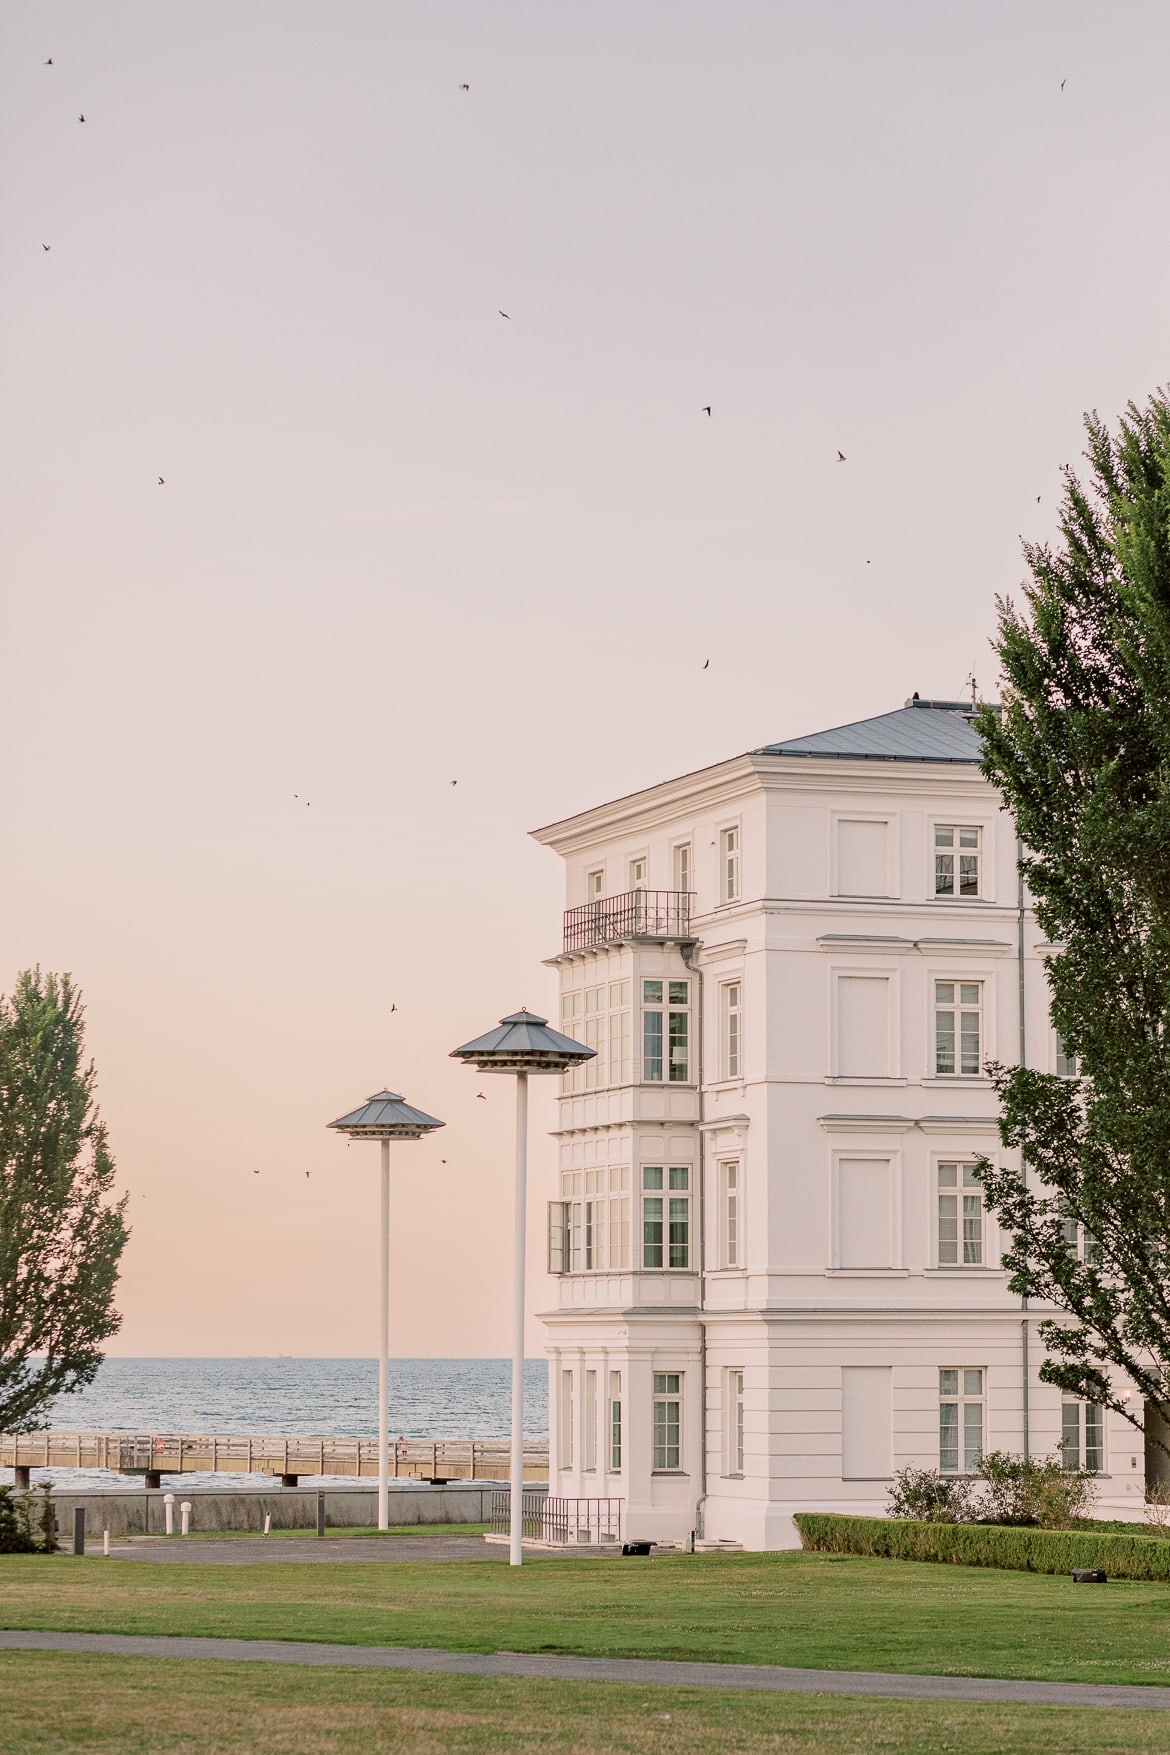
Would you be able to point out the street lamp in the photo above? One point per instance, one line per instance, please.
(520, 1044)
(385, 1117)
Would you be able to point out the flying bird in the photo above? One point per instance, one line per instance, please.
(841, 458)
(81, 118)
(1037, 499)
(255, 1172)
(706, 410)
(49, 62)
(706, 664)
(480, 1097)
(393, 1008)
(1063, 83)
(504, 314)
(46, 246)
(454, 782)
(442, 1160)
(161, 482)
(465, 88)
(308, 1173)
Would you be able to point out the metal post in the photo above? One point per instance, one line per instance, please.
(384, 1352)
(515, 1544)
(320, 1517)
(79, 1529)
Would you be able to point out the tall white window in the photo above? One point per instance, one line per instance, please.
(733, 1432)
(666, 1031)
(598, 1016)
(731, 1047)
(1067, 1065)
(1081, 1243)
(729, 865)
(589, 1227)
(565, 1421)
(594, 886)
(589, 1460)
(960, 1217)
(958, 1027)
(732, 1216)
(960, 1418)
(615, 1422)
(666, 1446)
(666, 1216)
(638, 873)
(682, 866)
(1082, 1435)
(957, 856)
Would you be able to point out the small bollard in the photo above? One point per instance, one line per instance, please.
(106, 1543)
(185, 1518)
(321, 1516)
(79, 1529)
(169, 1513)
(267, 1522)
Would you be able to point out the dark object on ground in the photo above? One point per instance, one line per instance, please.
(1089, 1575)
(641, 1549)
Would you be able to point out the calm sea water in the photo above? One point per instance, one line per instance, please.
(429, 1398)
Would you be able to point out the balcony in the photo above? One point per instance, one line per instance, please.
(652, 914)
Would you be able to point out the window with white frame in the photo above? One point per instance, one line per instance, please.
(666, 1445)
(666, 1031)
(638, 873)
(957, 856)
(960, 1216)
(731, 1030)
(589, 1227)
(733, 1425)
(565, 1421)
(598, 1016)
(729, 865)
(731, 1202)
(595, 885)
(589, 1459)
(1067, 1065)
(1082, 1435)
(666, 1216)
(960, 1418)
(958, 1028)
(615, 1422)
(682, 866)
(1081, 1244)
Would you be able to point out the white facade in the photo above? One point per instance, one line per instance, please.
(767, 1256)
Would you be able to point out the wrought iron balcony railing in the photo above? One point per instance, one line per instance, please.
(635, 914)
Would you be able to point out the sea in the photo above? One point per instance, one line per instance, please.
(297, 1398)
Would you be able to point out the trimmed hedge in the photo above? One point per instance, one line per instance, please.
(976, 1544)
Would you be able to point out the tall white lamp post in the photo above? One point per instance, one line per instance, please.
(520, 1044)
(385, 1117)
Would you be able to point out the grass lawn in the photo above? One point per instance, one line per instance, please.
(820, 1610)
(51, 1703)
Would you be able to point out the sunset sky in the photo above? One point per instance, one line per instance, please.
(404, 541)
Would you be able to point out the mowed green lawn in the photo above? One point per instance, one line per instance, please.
(816, 1610)
(51, 1704)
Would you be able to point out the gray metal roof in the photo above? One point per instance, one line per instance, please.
(523, 1042)
(921, 731)
(386, 1116)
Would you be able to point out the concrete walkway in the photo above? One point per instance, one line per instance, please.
(770, 1678)
(272, 1550)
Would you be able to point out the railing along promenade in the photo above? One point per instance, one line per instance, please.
(136, 1453)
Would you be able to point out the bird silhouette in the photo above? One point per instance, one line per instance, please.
(706, 410)
(393, 1008)
(81, 118)
(1063, 83)
(504, 314)
(707, 664)
(255, 1172)
(841, 458)
(308, 1173)
(1037, 499)
(49, 62)
(480, 1097)
(46, 246)
(442, 1160)
(465, 88)
(161, 482)
(454, 782)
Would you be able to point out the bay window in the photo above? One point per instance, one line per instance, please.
(666, 1026)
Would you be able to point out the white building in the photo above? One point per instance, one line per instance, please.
(777, 1282)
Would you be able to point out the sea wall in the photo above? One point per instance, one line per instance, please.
(141, 1512)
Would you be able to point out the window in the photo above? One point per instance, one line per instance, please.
(594, 886)
(958, 1027)
(600, 1017)
(1082, 1435)
(667, 1421)
(729, 1178)
(638, 873)
(960, 1419)
(589, 1227)
(566, 1421)
(956, 860)
(960, 1217)
(729, 865)
(666, 1022)
(1067, 1065)
(731, 1053)
(733, 1435)
(615, 1422)
(682, 866)
(589, 1460)
(666, 1216)
(1082, 1245)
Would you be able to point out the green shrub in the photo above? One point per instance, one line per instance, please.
(982, 1544)
(928, 1497)
(1031, 1490)
(16, 1536)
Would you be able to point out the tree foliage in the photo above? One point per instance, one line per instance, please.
(1081, 754)
(61, 1233)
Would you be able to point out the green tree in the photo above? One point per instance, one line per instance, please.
(61, 1234)
(1081, 753)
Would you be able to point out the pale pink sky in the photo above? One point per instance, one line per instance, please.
(403, 541)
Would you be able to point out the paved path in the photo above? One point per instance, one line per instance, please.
(253, 1550)
(770, 1678)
